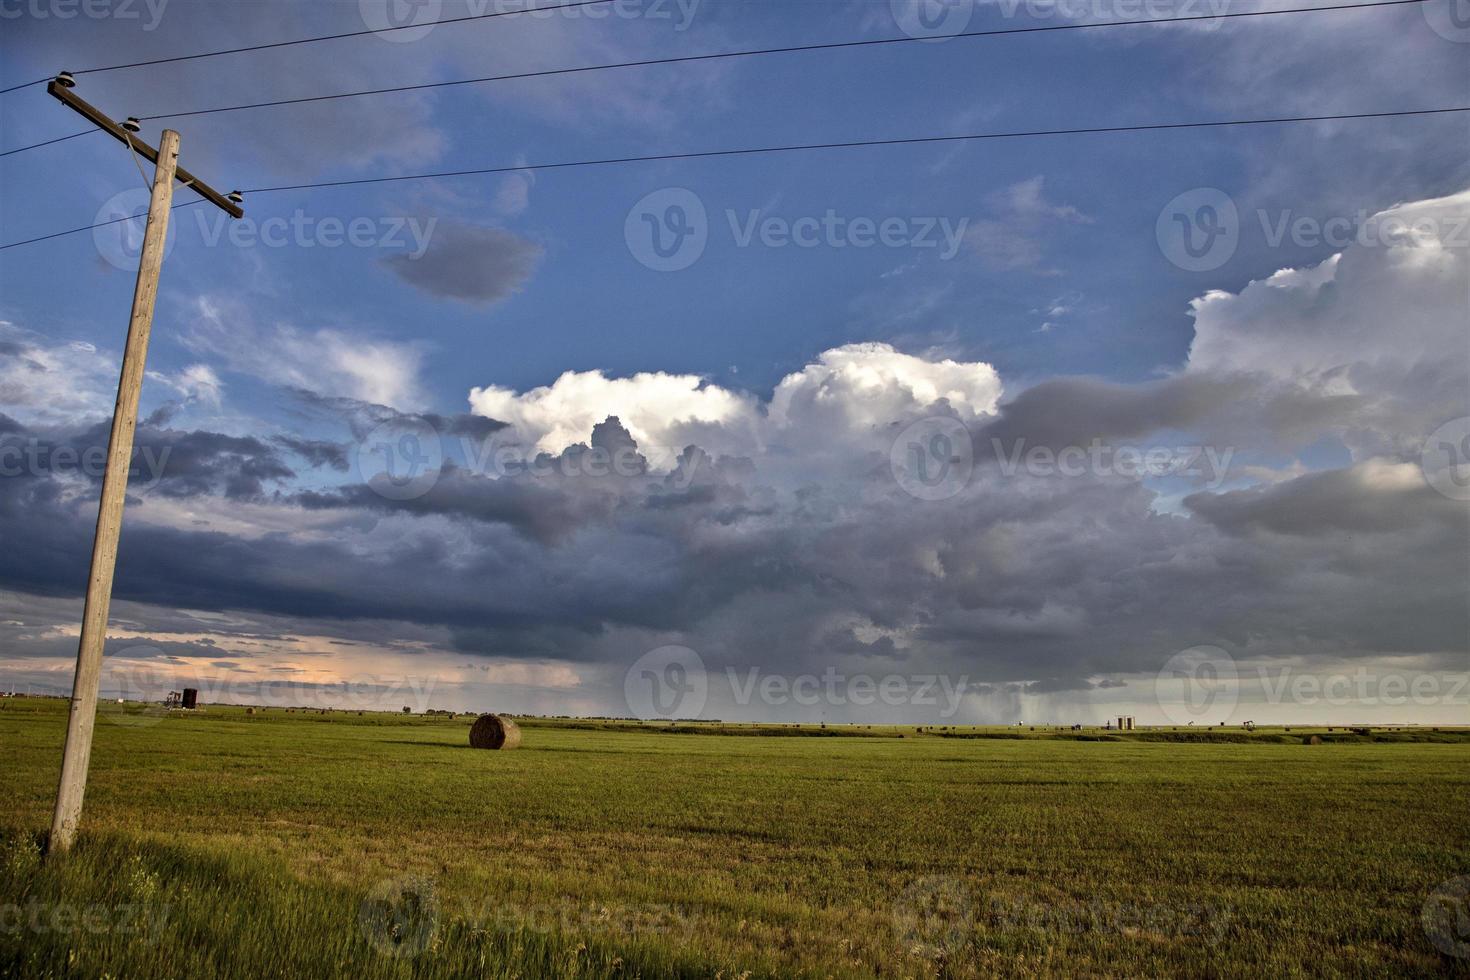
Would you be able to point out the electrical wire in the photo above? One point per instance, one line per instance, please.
(1092, 130)
(36, 146)
(714, 56)
(722, 55)
(100, 224)
(338, 37)
(306, 40)
(751, 151)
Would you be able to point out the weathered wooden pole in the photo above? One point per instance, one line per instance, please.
(78, 752)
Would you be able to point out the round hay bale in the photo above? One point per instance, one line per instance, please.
(1312, 740)
(250, 711)
(494, 732)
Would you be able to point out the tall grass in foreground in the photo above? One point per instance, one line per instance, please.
(114, 908)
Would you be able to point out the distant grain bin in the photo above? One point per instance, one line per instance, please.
(1125, 723)
(191, 698)
(494, 732)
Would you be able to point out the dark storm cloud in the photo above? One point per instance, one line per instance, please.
(1018, 579)
(540, 511)
(1224, 408)
(469, 263)
(175, 463)
(316, 452)
(361, 416)
(1372, 498)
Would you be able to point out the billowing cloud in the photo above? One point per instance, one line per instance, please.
(858, 389)
(778, 536)
(1382, 325)
(659, 409)
(867, 386)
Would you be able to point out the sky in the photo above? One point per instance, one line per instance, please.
(1038, 430)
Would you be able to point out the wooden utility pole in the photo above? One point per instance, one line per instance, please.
(83, 717)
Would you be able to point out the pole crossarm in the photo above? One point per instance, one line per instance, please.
(100, 119)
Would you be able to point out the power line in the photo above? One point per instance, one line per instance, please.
(856, 143)
(834, 45)
(313, 40)
(37, 146)
(304, 40)
(586, 3)
(789, 148)
(21, 85)
(730, 55)
(100, 224)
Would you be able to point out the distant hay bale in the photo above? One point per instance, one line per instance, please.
(1312, 740)
(494, 732)
(250, 711)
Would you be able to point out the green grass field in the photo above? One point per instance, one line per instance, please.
(306, 845)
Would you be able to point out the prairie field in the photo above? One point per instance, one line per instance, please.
(217, 843)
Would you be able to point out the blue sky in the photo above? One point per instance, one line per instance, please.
(1060, 271)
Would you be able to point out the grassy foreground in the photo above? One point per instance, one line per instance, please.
(221, 844)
